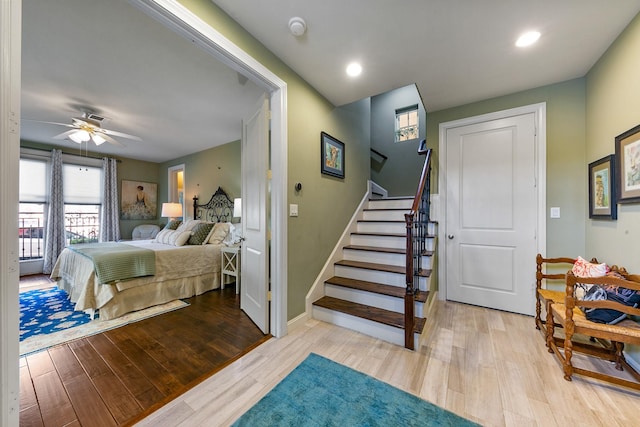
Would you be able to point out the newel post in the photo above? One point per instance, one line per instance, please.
(409, 293)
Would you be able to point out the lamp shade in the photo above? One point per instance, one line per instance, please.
(171, 210)
(237, 208)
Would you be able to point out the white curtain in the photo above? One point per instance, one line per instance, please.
(55, 234)
(109, 215)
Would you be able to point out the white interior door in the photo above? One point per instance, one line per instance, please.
(491, 213)
(255, 199)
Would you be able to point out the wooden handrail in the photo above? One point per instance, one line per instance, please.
(421, 219)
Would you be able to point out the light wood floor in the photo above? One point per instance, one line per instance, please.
(489, 366)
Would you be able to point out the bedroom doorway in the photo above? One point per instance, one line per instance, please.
(177, 186)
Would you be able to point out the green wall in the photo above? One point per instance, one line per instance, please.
(400, 173)
(204, 172)
(612, 107)
(566, 170)
(325, 204)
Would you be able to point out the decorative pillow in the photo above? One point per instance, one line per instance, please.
(173, 237)
(219, 232)
(584, 268)
(188, 225)
(173, 224)
(200, 233)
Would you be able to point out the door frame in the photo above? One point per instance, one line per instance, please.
(540, 118)
(178, 18)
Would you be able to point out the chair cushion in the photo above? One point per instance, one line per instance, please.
(145, 231)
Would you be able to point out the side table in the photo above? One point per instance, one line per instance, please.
(230, 264)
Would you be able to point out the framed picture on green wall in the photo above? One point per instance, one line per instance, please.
(602, 197)
(628, 165)
(331, 156)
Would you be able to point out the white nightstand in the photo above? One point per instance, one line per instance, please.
(230, 264)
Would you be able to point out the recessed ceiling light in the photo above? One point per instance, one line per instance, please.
(354, 69)
(527, 39)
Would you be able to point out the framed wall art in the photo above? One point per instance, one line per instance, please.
(139, 200)
(628, 166)
(602, 194)
(331, 156)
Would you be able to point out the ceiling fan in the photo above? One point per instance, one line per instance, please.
(88, 128)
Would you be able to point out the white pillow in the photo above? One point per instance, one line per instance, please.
(235, 233)
(219, 233)
(173, 237)
(188, 225)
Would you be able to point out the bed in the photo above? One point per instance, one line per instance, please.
(179, 270)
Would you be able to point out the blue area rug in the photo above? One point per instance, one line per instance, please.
(45, 311)
(320, 392)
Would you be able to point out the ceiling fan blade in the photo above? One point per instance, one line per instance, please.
(64, 135)
(123, 135)
(110, 140)
(50, 123)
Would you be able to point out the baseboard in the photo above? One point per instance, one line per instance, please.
(298, 322)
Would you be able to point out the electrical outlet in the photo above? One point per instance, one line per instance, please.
(293, 210)
(555, 213)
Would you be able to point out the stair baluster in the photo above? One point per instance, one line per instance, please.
(417, 222)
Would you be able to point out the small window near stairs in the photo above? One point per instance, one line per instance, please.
(407, 123)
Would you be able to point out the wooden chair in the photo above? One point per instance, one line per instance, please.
(546, 296)
(610, 338)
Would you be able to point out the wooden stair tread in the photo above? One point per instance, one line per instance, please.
(377, 288)
(370, 233)
(399, 269)
(384, 250)
(391, 221)
(385, 209)
(374, 314)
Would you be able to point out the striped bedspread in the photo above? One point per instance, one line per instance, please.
(117, 261)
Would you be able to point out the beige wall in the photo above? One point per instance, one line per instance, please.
(566, 170)
(325, 204)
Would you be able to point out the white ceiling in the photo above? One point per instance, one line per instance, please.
(149, 81)
(456, 51)
(152, 83)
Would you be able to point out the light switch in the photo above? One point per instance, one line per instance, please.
(293, 210)
(555, 212)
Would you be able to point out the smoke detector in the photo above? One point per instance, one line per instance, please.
(297, 26)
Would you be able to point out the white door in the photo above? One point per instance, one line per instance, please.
(255, 199)
(491, 213)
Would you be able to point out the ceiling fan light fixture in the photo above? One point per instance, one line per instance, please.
(80, 136)
(97, 139)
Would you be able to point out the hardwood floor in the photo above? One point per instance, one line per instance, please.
(489, 366)
(118, 376)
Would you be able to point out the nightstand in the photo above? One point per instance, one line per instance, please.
(230, 263)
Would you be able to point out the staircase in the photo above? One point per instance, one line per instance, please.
(367, 291)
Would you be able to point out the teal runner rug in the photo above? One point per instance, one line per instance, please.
(320, 392)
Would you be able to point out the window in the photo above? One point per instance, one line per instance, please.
(31, 210)
(82, 189)
(82, 198)
(407, 123)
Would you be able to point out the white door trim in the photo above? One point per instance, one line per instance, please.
(184, 22)
(540, 113)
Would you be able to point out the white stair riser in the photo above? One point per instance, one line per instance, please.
(390, 204)
(364, 326)
(382, 227)
(383, 277)
(372, 299)
(379, 241)
(381, 257)
(384, 215)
